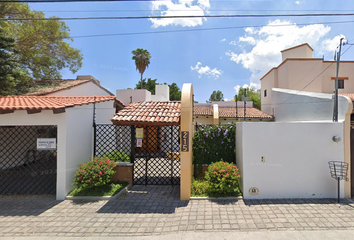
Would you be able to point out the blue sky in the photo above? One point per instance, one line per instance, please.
(211, 53)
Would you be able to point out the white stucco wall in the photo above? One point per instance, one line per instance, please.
(86, 89)
(137, 95)
(162, 93)
(74, 139)
(104, 111)
(292, 105)
(296, 159)
(79, 142)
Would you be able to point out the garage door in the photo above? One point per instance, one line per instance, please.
(28, 162)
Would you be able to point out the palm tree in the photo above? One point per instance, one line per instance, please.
(142, 61)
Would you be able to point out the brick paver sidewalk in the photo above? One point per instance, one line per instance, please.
(157, 210)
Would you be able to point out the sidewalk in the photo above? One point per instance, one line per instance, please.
(157, 213)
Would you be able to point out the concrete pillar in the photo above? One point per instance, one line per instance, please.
(187, 132)
(215, 114)
(346, 143)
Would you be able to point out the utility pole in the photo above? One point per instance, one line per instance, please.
(244, 99)
(236, 107)
(335, 108)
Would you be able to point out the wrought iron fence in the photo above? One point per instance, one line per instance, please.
(23, 168)
(156, 161)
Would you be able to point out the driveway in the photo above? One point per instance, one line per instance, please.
(156, 210)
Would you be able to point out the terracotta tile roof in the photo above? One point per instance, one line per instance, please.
(44, 87)
(203, 111)
(350, 95)
(226, 112)
(48, 102)
(149, 113)
(230, 112)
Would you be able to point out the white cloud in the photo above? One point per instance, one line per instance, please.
(223, 40)
(233, 43)
(330, 45)
(297, 2)
(215, 73)
(226, 99)
(180, 8)
(252, 85)
(267, 42)
(249, 40)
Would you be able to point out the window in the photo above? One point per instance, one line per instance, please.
(265, 93)
(341, 81)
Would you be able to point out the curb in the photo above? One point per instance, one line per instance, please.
(98, 198)
(214, 198)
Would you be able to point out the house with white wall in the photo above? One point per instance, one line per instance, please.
(83, 85)
(300, 71)
(24, 120)
(289, 158)
(162, 93)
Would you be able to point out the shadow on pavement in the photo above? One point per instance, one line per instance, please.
(22, 205)
(146, 199)
(316, 201)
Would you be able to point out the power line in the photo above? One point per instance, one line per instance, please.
(201, 29)
(191, 16)
(315, 77)
(63, 1)
(189, 10)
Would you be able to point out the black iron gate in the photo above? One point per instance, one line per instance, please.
(156, 160)
(23, 168)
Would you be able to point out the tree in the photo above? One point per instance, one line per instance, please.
(216, 96)
(42, 46)
(175, 92)
(252, 94)
(148, 85)
(13, 79)
(142, 61)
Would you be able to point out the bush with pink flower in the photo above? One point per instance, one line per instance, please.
(97, 172)
(223, 179)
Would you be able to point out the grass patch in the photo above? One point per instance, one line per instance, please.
(107, 190)
(200, 188)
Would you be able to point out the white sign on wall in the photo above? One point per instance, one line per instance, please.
(46, 143)
(139, 142)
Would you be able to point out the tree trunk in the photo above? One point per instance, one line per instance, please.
(141, 80)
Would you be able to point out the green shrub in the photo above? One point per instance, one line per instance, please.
(199, 188)
(213, 143)
(97, 172)
(223, 179)
(117, 156)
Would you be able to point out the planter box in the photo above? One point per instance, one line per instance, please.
(124, 172)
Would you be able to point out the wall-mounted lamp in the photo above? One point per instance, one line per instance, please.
(336, 139)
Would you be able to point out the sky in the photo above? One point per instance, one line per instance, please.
(223, 53)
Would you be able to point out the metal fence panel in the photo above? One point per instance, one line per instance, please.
(23, 168)
(156, 162)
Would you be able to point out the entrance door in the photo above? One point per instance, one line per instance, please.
(151, 140)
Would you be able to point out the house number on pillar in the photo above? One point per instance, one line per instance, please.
(185, 141)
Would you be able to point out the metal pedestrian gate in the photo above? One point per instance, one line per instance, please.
(156, 158)
(23, 168)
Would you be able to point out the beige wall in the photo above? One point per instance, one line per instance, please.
(301, 73)
(310, 75)
(203, 120)
(303, 51)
